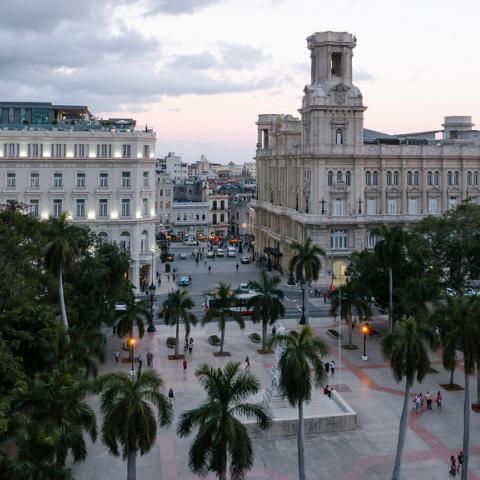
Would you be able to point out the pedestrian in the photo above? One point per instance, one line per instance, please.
(185, 365)
(114, 330)
(190, 345)
(439, 400)
(158, 274)
(422, 402)
(327, 367)
(171, 396)
(149, 360)
(247, 364)
(274, 331)
(185, 345)
(168, 276)
(428, 398)
(196, 260)
(460, 460)
(117, 356)
(417, 402)
(453, 467)
(209, 269)
(332, 368)
(236, 266)
(159, 281)
(139, 370)
(173, 277)
(324, 297)
(327, 391)
(140, 361)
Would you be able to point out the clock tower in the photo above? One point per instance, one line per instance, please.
(332, 107)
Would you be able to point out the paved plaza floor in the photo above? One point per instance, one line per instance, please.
(367, 386)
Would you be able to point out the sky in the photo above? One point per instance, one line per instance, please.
(200, 71)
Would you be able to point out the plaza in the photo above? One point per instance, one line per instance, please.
(368, 387)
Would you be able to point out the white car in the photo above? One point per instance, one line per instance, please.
(120, 307)
(183, 256)
(220, 252)
(231, 252)
(210, 254)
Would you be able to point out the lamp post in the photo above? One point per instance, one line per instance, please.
(303, 320)
(131, 344)
(365, 331)
(151, 289)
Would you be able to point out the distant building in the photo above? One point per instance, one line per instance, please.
(174, 166)
(250, 169)
(59, 158)
(164, 200)
(190, 219)
(219, 220)
(240, 205)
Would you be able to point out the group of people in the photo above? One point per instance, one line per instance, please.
(424, 402)
(330, 367)
(456, 465)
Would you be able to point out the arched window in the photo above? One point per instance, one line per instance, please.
(330, 179)
(214, 205)
(409, 178)
(456, 178)
(271, 197)
(475, 178)
(396, 178)
(416, 178)
(144, 242)
(375, 178)
(125, 241)
(430, 178)
(339, 176)
(339, 136)
(469, 178)
(368, 178)
(449, 178)
(222, 205)
(437, 178)
(348, 178)
(389, 178)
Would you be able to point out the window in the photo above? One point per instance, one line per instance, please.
(375, 178)
(58, 150)
(39, 115)
(146, 151)
(34, 208)
(104, 150)
(144, 242)
(348, 178)
(368, 178)
(336, 64)
(126, 179)
(392, 206)
(372, 239)
(184, 216)
(125, 207)
(203, 216)
(430, 178)
(167, 192)
(449, 178)
(214, 205)
(80, 150)
(371, 206)
(339, 176)
(146, 179)
(214, 218)
(124, 241)
(437, 178)
(80, 208)
(35, 150)
(330, 179)
(222, 218)
(396, 178)
(103, 180)
(34, 180)
(222, 205)
(339, 207)
(57, 207)
(178, 217)
(13, 149)
(433, 205)
(456, 178)
(80, 180)
(409, 178)
(57, 180)
(339, 239)
(126, 150)
(452, 202)
(475, 178)
(11, 180)
(145, 207)
(469, 178)
(339, 136)
(413, 206)
(389, 178)
(103, 207)
(416, 178)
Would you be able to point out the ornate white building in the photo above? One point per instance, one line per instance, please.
(58, 158)
(326, 177)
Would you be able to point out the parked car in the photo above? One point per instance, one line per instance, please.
(210, 254)
(191, 243)
(231, 252)
(184, 281)
(120, 307)
(170, 257)
(183, 256)
(245, 259)
(220, 252)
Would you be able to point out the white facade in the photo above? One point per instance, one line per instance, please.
(164, 194)
(190, 219)
(250, 168)
(219, 214)
(326, 177)
(104, 179)
(177, 169)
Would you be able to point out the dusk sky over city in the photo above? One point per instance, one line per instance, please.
(200, 71)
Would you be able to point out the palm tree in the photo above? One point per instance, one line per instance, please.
(135, 313)
(221, 437)
(306, 265)
(60, 255)
(129, 408)
(267, 303)
(301, 369)
(177, 307)
(462, 317)
(220, 308)
(406, 348)
(389, 251)
(347, 298)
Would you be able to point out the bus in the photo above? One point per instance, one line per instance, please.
(240, 306)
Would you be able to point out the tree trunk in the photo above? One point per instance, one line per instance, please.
(177, 337)
(478, 386)
(301, 444)
(452, 372)
(222, 339)
(402, 434)
(264, 334)
(466, 426)
(132, 465)
(63, 311)
(350, 329)
(305, 299)
(390, 299)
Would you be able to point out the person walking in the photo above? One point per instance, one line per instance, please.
(332, 368)
(236, 266)
(171, 396)
(428, 398)
(140, 361)
(327, 367)
(417, 402)
(439, 400)
(247, 364)
(114, 330)
(209, 269)
(453, 467)
(185, 345)
(149, 360)
(460, 460)
(190, 345)
(185, 365)
(117, 356)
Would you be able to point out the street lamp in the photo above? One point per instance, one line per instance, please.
(151, 289)
(365, 331)
(131, 344)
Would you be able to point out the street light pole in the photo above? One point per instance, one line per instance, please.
(151, 289)
(131, 344)
(365, 332)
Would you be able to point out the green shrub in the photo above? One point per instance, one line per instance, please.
(214, 340)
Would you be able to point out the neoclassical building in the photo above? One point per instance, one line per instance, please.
(59, 158)
(326, 177)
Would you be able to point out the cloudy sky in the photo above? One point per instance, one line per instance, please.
(200, 71)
